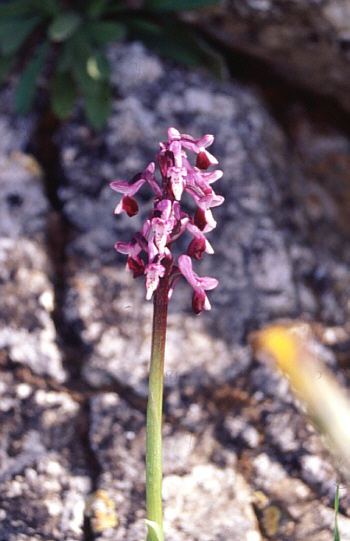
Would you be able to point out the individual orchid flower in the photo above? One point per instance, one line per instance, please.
(199, 244)
(132, 249)
(199, 284)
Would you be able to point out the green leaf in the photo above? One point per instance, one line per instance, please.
(178, 5)
(97, 93)
(97, 8)
(25, 90)
(15, 8)
(49, 7)
(104, 31)
(65, 59)
(6, 63)
(336, 507)
(98, 104)
(63, 94)
(13, 33)
(80, 55)
(179, 42)
(154, 531)
(64, 26)
(98, 66)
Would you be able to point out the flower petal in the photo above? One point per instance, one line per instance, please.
(205, 159)
(206, 282)
(196, 248)
(199, 302)
(212, 176)
(153, 271)
(126, 188)
(127, 204)
(185, 266)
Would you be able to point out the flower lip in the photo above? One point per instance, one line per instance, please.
(153, 271)
(127, 204)
(199, 302)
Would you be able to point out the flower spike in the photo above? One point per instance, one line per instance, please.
(149, 253)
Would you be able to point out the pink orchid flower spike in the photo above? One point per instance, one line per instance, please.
(150, 251)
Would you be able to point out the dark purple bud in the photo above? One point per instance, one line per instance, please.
(130, 205)
(196, 248)
(200, 219)
(200, 301)
(137, 267)
(202, 161)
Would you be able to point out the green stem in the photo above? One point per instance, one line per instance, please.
(154, 415)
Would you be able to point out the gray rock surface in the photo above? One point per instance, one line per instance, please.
(236, 447)
(306, 41)
(43, 485)
(27, 330)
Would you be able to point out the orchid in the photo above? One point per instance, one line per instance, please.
(150, 254)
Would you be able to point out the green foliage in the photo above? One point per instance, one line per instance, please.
(178, 42)
(63, 26)
(63, 93)
(26, 88)
(73, 36)
(14, 32)
(104, 31)
(336, 507)
(178, 5)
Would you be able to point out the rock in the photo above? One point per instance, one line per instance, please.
(210, 496)
(307, 42)
(43, 486)
(117, 437)
(192, 491)
(15, 130)
(286, 507)
(27, 298)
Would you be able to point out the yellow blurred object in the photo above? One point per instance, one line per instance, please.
(28, 162)
(101, 511)
(326, 401)
(271, 520)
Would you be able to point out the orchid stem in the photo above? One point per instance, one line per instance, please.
(154, 415)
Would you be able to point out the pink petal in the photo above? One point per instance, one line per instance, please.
(154, 272)
(173, 134)
(210, 200)
(126, 188)
(196, 145)
(212, 176)
(185, 266)
(175, 148)
(206, 282)
(123, 247)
